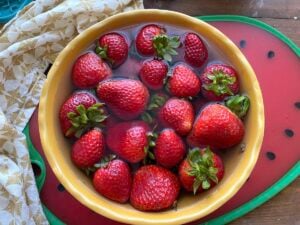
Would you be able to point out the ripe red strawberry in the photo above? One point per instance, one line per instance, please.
(219, 81)
(184, 82)
(113, 48)
(169, 148)
(177, 114)
(88, 70)
(217, 127)
(201, 170)
(153, 73)
(154, 188)
(88, 149)
(126, 98)
(114, 181)
(144, 39)
(195, 52)
(128, 140)
(152, 40)
(79, 111)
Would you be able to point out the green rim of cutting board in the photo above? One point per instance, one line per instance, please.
(288, 178)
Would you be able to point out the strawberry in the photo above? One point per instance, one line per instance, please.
(152, 40)
(80, 111)
(217, 127)
(88, 149)
(169, 148)
(128, 140)
(201, 170)
(177, 114)
(88, 70)
(113, 180)
(126, 98)
(219, 81)
(153, 73)
(154, 188)
(113, 48)
(184, 82)
(195, 52)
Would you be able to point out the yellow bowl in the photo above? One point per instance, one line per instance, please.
(238, 165)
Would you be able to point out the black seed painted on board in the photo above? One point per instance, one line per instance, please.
(289, 132)
(271, 54)
(271, 155)
(242, 43)
(60, 188)
(297, 105)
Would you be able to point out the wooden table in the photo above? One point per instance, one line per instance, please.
(285, 16)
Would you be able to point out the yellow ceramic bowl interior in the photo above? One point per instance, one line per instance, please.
(238, 165)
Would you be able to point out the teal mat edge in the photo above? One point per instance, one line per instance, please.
(283, 182)
(5, 17)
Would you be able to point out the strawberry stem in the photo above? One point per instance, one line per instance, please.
(103, 163)
(85, 118)
(202, 168)
(156, 102)
(220, 82)
(165, 46)
(151, 136)
(102, 53)
(239, 104)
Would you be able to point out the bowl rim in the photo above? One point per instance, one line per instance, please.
(110, 212)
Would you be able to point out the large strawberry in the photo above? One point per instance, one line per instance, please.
(113, 180)
(152, 40)
(126, 98)
(153, 73)
(88, 149)
(80, 111)
(128, 140)
(177, 114)
(154, 188)
(113, 48)
(88, 70)
(217, 127)
(195, 52)
(201, 170)
(184, 82)
(169, 148)
(219, 81)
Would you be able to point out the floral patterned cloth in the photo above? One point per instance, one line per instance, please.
(28, 43)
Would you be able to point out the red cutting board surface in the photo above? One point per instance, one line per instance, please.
(277, 68)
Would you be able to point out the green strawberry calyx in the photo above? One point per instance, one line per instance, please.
(102, 164)
(156, 101)
(84, 118)
(220, 82)
(202, 168)
(239, 104)
(149, 158)
(102, 53)
(165, 46)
